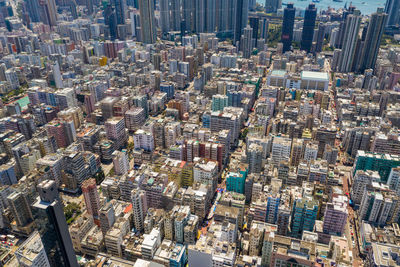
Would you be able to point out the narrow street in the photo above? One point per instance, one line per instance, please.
(350, 229)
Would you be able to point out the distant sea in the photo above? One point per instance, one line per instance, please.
(365, 6)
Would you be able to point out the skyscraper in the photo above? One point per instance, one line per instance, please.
(164, 16)
(175, 18)
(89, 6)
(350, 36)
(33, 7)
(52, 226)
(264, 29)
(199, 15)
(287, 26)
(308, 28)
(254, 23)
(320, 37)
(120, 9)
(224, 16)
(147, 21)
(188, 12)
(241, 13)
(271, 6)
(392, 8)
(210, 15)
(49, 12)
(373, 38)
(110, 19)
(246, 42)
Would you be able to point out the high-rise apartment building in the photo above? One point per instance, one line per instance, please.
(350, 37)
(360, 180)
(31, 253)
(143, 140)
(20, 208)
(42, 11)
(227, 121)
(120, 162)
(335, 217)
(283, 220)
(66, 98)
(273, 202)
(134, 118)
(392, 8)
(7, 174)
(296, 151)
(386, 143)
(281, 148)
(247, 41)
(235, 181)
(379, 205)
(164, 16)
(255, 158)
(139, 206)
(254, 23)
(310, 152)
(383, 163)
(107, 217)
(56, 129)
(91, 196)
(116, 132)
(376, 27)
(304, 214)
(219, 102)
(394, 180)
(206, 172)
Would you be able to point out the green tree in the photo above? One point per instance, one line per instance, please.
(243, 134)
(72, 211)
(130, 147)
(112, 172)
(296, 45)
(274, 35)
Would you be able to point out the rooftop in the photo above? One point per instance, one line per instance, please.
(315, 75)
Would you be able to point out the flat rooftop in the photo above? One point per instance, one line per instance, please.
(315, 75)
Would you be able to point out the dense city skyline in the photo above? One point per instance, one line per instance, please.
(199, 133)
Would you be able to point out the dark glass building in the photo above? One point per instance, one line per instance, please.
(120, 8)
(241, 17)
(308, 28)
(254, 23)
(287, 26)
(52, 226)
(110, 19)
